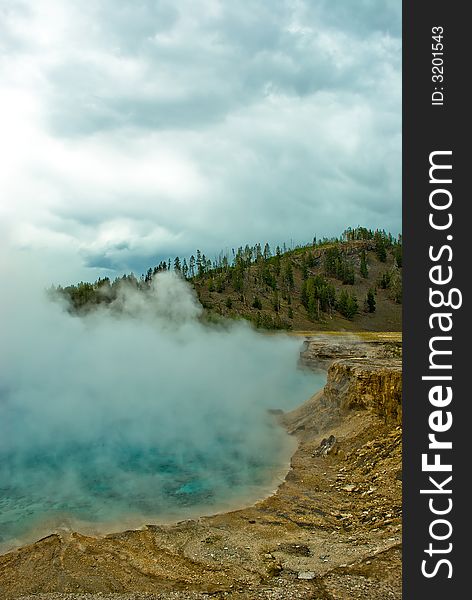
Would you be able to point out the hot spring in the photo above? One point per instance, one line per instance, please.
(138, 415)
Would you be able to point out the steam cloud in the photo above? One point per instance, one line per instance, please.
(144, 410)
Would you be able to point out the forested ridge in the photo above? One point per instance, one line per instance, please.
(351, 282)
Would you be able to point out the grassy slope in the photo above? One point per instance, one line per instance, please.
(387, 316)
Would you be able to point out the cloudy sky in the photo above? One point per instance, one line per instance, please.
(137, 130)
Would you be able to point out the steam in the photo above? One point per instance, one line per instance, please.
(139, 410)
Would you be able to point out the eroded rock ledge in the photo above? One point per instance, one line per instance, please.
(332, 531)
(319, 351)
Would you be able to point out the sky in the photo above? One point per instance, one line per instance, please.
(136, 131)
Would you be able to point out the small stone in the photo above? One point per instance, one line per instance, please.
(306, 575)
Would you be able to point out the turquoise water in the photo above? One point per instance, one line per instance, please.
(148, 456)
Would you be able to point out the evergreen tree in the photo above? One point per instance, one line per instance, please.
(256, 303)
(203, 265)
(398, 255)
(220, 284)
(347, 304)
(380, 247)
(276, 301)
(370, 301)
(268, 278)
(257, 253)
(277, 259)
(199, 264)
(288, 276)
(304, 269)
(346, 273)
(191, 268)
(185, 269)
(317, 296)
(385, 279)
(267, 253)
(238, 278)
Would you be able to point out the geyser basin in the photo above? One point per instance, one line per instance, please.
(128, 468)
(152, 416)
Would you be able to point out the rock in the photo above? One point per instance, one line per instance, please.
(371, 385)
(320, 351)
(306, 575)
(325, 446)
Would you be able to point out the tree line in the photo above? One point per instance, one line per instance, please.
(261, 279)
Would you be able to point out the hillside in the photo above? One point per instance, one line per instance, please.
(269, 300)
(323, 286)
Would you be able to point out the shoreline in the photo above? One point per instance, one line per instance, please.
(332, 529)
(68, 525)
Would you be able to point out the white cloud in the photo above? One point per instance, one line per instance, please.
(133, 133)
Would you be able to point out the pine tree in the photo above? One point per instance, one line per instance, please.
(347, 304)
(198, 263)
(380, 247)
(385, 279)
(276, 302)
(370, 301)
(397, 253)
(304, 269)
(185, 269)
(277, 258)
(256, 303)
(288, 276)
(267, 253)
(191, 269)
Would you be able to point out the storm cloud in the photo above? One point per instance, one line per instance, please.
(138, 131)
